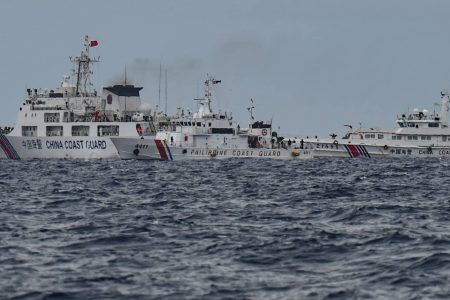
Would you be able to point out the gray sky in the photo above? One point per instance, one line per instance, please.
(311, 65)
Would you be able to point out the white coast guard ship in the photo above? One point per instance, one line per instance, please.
(420, 134)
(73, 122)
(206, 135)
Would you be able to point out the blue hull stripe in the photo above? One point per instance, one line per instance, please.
(363, 150)
(168, 151)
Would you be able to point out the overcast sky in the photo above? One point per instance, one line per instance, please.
(312, 66)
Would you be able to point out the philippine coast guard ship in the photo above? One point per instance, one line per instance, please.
(420, 134)
(206, 135)
(72, 121)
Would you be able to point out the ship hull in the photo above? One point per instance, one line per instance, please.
(25, 148)
(354, 150)
(153, 149)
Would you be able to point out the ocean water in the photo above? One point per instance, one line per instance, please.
(225, 229)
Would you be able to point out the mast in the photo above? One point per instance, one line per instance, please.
(210, 81)
(205, 108)
(165, 107)
(125, 83)
(125, 75)
(250, 109)
(83, 71)
(159, 87)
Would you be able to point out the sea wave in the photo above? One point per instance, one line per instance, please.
(225, 229)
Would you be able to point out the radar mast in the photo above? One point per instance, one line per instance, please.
(83, 69)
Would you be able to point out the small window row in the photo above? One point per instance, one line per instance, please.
(373, 136)
(102, 130)
(198, 124)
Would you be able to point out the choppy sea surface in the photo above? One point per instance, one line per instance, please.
(225, 229)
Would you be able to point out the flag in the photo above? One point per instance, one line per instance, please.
(93, 43)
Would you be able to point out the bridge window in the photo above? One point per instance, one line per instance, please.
(80, 130)
(29, 130)
(54, 130)
(433, 125)
(51, 117)
(380, 136)
(108, 130)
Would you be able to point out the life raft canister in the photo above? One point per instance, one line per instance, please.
(295, 153)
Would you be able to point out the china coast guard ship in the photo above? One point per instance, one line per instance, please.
(206, 135)
(419, 134)
(73, 121)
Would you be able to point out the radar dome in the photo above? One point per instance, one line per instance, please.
(425, 112)
(416, 110)
(145, 108)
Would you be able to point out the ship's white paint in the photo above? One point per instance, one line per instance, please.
(206, 135)
(73, 122)
(154, 149)
(420, 134)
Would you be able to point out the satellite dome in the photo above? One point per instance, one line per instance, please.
(145, 107)
(416, 110)
(425, 112)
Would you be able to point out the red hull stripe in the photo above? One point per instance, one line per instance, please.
(348, 151)
(11, 148)
(161, 149)
(5, 148)
(8, 154)
(354, 151)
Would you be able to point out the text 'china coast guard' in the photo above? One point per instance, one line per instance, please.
(73, 121)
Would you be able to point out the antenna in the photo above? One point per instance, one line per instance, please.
(165, 106)
(159, 87)
(125, 83)
(250, 109)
